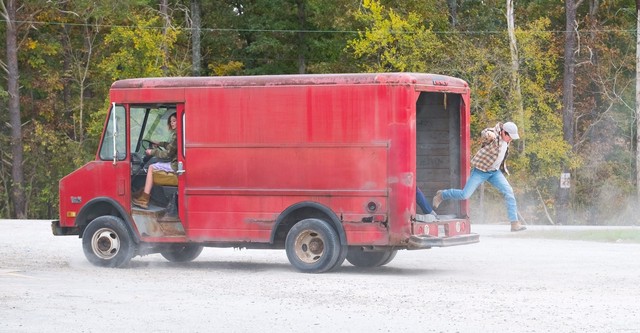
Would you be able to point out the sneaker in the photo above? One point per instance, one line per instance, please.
(437, 200)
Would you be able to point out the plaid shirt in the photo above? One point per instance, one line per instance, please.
(488, 153)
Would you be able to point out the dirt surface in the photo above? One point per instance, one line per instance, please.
(505, 283)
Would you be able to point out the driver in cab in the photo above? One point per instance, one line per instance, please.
(162, 172)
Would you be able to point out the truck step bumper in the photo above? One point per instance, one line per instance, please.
(63, 231)
(426, 242)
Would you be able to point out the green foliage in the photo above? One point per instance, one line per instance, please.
(230, 68)
(488, 15)
(541, 124)
(433, 13)
(392, 42)
(63, 156)
(137, 51)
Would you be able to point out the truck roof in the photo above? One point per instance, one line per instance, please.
(288, 80)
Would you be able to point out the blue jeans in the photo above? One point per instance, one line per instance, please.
(422, 202)
(495, 178)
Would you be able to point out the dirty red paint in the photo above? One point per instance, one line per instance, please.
(255, 148)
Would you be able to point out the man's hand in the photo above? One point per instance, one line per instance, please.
(488, 136)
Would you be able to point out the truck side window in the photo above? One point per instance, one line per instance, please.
(106, 147)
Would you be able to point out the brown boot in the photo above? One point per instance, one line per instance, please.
(437, 200)
(142, 201)
(137, 193)
(517, 226)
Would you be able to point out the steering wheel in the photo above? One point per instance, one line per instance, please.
(146, 144)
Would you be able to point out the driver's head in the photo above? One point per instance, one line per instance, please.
(172, 121)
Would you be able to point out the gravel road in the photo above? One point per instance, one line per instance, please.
(505, 283)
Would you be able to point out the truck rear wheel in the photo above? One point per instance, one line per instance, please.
(107, 243)
(360, 258)
(182, 252)
(344, 249)
(313, 246)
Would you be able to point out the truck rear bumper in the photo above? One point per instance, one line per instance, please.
(425, 242)
(57, 230)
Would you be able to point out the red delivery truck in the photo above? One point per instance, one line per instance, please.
(322, 166)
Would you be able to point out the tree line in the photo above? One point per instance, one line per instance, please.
(564, 72)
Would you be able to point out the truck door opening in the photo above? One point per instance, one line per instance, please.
(438, 146)
(149, 126)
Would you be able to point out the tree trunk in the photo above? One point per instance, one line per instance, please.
(562, 206)
(453, 12)
(164, 11)
(516, 91)
(66, 83)
(83, 73)
(638, 100)
(196, 26)
(302, 66)
(17, 187)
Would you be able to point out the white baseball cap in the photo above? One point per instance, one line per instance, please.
(512, 129)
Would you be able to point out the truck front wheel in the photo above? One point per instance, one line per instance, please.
(313, 246)
(107, 243)
(360, 258)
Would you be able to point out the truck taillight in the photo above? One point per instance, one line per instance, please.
(426, 230)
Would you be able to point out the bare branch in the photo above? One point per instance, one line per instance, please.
(546, 211)
(69, 12)
(588, 62)
(575, 30)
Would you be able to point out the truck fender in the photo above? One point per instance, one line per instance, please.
(308, 209)
(101, 206)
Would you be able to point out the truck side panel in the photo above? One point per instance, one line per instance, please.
(325, 144)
